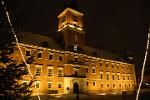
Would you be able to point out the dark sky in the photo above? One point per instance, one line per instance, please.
(112, 25)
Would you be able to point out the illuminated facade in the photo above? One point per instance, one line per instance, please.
(76, 66)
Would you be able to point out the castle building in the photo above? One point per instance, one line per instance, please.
(74, 66)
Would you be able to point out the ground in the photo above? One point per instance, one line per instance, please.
(144, 96)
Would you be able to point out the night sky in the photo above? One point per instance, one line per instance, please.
(112, 25)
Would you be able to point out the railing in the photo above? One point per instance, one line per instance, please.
(74, 75)
(76, 62)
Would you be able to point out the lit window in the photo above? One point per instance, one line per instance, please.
(39, 55)
(50, 72)
(50, 57)
(101, 75)
(60, 73)
(93, 70)
(28, 53)
(49, 84)
(37, 84)
(107, 76)
(38, 71)
(87, 70)
(59, 85)
(94, 83)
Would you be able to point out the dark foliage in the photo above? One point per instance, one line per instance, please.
(11, 71)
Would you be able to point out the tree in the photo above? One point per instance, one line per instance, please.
(11, 71)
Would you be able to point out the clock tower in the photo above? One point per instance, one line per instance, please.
(71, 26)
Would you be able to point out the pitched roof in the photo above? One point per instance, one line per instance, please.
(38, 40)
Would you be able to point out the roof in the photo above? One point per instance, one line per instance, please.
(37, 40)
(101, 53)
(49, 42)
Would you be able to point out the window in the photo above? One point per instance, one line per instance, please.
(113, 77)
(28, 53)
(94, 83)
(50, 57)
(63, 19)
(106, 64)
(60, 73)
(119, 85)
(87, 83)
(25, 82)
(50, 72)
(49, 84)
(38, 71)
(75, 18)
(107, 76)
(87, 70)
(118, 76)
(125, 85)
(129, 85)
(76, 59)
(93, 70)
(60, 58)
(100, 63)
(37, 84)
(102, 85)
(113, 85)
(101, 75)
(128, 77)
(39, 55)
(107, 85)
(59, 85)
(123, 77)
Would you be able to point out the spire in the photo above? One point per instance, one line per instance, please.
(71, 4)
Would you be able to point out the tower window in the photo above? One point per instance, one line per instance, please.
(74, 18)
(63, 19)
